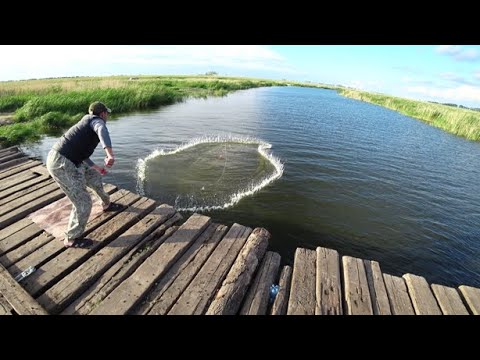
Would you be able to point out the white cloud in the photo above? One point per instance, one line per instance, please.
(38, 61)
(458, 52)
(460, 94)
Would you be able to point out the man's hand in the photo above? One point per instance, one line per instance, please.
(109, 161)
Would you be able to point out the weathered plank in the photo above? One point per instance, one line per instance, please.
(89, 299)
(329, 288)
(9, 149)
(19, 238)
(449, 300)
(472, 298)
(55, 269)
(18, 179)
(357, 293)
(30, 207)
(279, 306)
(24, 188)
(13, 228)
(302, 292)
(378, 291)
(17, 297)
(6, 158)
(12, 163)
(5, 307)
(197, 296)
(256, 300)
(166, 291)
(6, 173)
(24, 250)
(127, 294)
(64, 292)
(400, 302)
(53, 248)
(28, 198)
(229, 297)
(423, 301)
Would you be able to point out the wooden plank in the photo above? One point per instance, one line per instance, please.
(229, 297)
(24, 188)
(197, 296)
(8, 157)
(128, 293)
(400, 302)
(5, 307)
(472, 298)
(89, 299)
(256, 300)
(9, 149)
(12, 229)
(302, 292)
(28, 198)
(53, 248)
(60, 266)
(30, 207)
(12, 163)
(19, 238)
(329, 288)
(6, 173)
(378, 291)
(17, 297)
(449, 300)
(66, 290)
(169, 288)
(24, 250)
(357, 293)
(19, 179)
(424, 303)
(280, 303)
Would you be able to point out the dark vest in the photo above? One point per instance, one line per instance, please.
(79, 142)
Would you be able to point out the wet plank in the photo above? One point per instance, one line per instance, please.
(17, 297)
(378, 291)
(280, 303)
(197, 296)
(400, 302)
(472, 298)
(169, 288)
(423, 301)
(257, 298)
(357, 293)
(229, 297)
(128, 293)
(329, 288)
(302, 292)
(449, 300)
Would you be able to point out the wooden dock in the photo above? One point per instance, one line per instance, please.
(147, 259)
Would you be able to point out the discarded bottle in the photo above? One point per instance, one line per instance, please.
(273, 292)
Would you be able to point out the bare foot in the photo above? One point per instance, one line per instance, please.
(68, 243)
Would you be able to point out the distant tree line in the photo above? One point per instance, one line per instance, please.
(456, 106)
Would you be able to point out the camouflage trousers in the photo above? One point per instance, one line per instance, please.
(74, 181)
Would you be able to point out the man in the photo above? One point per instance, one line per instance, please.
(69, 164)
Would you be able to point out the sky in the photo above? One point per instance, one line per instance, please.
(442, 73)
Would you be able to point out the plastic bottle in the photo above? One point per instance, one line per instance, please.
(273, 292)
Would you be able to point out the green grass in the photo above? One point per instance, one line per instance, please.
(458, 121)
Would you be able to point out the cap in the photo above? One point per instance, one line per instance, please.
(98, 107)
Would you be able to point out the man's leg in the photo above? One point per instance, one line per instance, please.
(94, 181)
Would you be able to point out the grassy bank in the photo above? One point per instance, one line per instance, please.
(458, 121)
(49, 106)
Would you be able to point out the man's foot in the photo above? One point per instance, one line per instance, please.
(83, 243)
(112, 207)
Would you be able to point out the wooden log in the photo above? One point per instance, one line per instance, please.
(423, 301)
(19, 238)
(169, 288)
(357, 293)
(257, 298)
(6, 173)
(17, 297)
(197, 296)
(89, 299)
(228, 299)
(67, 289)
(472, 298)
(376, 285)
(55, 269)
(24, 250)
(280, 303)
(449, 300)
(302, 292)
(400, 302)
(128, 293)
(328, 284)
(23, 189)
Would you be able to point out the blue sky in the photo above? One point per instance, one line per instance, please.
(443, 73)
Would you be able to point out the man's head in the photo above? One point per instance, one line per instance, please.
(97, 107)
